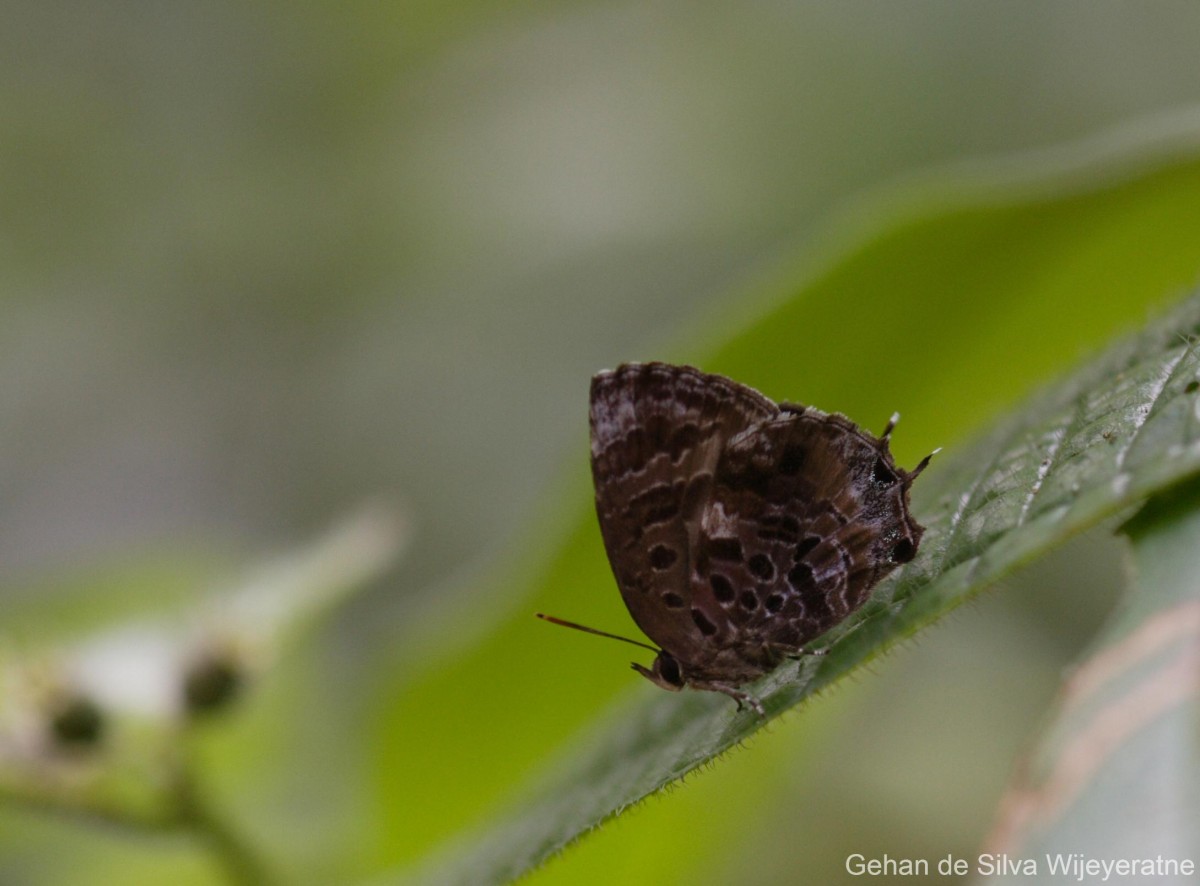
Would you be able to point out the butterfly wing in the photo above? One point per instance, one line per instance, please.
(657, 435)
(807, 513)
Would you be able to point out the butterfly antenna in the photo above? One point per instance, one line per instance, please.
(587, 630)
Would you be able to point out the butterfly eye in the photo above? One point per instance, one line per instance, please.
(668, 668)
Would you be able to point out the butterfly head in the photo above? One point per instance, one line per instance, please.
(665, 672)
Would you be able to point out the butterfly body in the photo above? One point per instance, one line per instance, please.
(738, 529)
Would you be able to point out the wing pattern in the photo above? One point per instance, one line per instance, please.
(739, 530)
(657, 434)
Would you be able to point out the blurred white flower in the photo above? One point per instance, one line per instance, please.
(160, 669)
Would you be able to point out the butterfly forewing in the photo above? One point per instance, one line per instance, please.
(657, 434)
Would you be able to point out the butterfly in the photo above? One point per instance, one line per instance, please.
(738, 529)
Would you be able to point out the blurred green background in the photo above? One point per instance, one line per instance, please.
(263, 262)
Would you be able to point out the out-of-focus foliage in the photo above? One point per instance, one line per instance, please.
(102, 730)
(260, 263)
(1115, 776)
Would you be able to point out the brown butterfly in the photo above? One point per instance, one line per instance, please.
(738, 529)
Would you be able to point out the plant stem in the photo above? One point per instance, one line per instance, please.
(235, 856)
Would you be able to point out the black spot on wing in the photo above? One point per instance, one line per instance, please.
(727, 549)
(662, 557)
(762, 567)
(805, 547)
(658, 504)
(722, 589)
(707, 628)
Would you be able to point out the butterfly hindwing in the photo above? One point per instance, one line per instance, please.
(807, 514)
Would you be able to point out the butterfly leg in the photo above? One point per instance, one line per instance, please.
(805, 653)
(743, 699)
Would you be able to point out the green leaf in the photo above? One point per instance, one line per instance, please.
(1116, 774)
(1091, 447)
(1096, 444)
